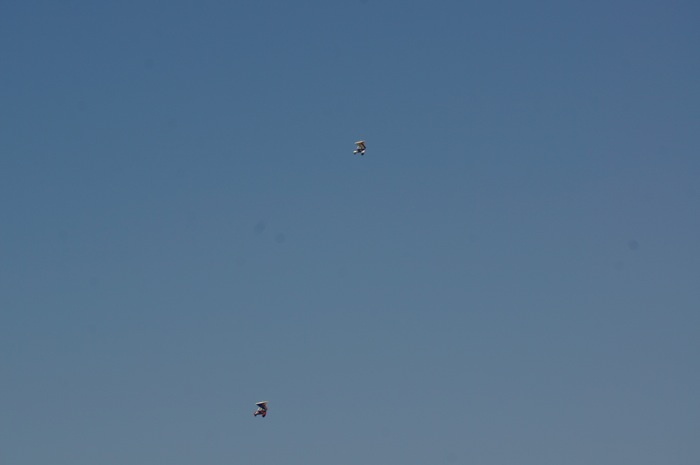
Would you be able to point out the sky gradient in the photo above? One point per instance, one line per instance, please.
(511, 274)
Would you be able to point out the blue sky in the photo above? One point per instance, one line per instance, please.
(510, 275)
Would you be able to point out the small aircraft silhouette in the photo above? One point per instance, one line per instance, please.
(262, 409)
(360, 147)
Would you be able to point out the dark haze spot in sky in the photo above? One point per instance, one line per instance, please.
(260, 227)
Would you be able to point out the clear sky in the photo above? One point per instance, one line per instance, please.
(510, 275)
